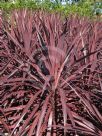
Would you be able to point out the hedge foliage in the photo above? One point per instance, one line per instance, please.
(83, 7)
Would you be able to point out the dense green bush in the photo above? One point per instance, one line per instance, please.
(83, 7)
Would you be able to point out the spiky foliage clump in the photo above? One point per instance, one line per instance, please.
(50, 75)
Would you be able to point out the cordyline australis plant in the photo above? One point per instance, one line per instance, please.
(50, 75)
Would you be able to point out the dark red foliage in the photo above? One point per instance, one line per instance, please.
(50, 75)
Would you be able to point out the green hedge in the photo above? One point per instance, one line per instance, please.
(83, 8)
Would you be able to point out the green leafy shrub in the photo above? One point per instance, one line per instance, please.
(83, 8)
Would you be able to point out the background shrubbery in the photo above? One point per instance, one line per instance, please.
(82, 7)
